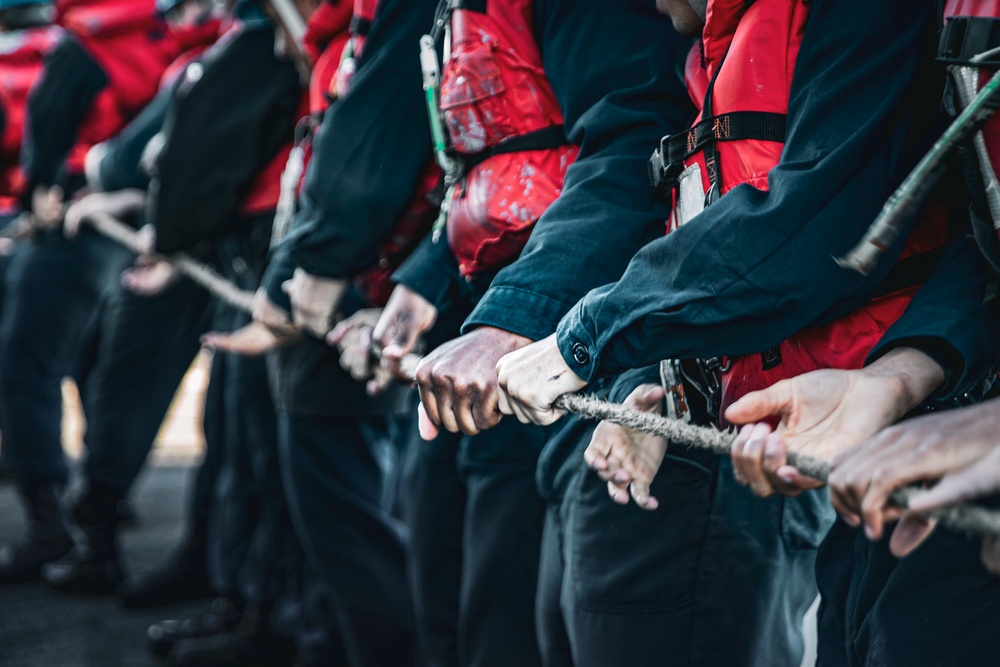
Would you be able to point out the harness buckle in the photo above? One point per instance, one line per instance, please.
(663, 173)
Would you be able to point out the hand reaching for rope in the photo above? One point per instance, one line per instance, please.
(822, 414)
(979, 479)
(353, 338)
(532, 378)
(47, 206)
(958, 446)
(458, 381)
(628, 460)
(270, 330)
(116, 204)
(314, 301)
(400, 331)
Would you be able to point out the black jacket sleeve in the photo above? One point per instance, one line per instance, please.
(119, 167)
(220, 131)
(57, 104)
(373, 144)
(950, 321)
(756, 266)
(619, 95)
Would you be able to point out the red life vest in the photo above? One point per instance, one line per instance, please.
(131, 43)
(326, 36)
(361, 22)
(192, 41)
(21, 61)
(759, 44)
(969, 30)
(506, 128)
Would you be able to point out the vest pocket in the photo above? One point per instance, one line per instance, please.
(471, 90)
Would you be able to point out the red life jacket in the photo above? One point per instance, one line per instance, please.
(506, 127)
(969, 29)
(131, 43)
(759, 45)
(326, 36)
(21, 61)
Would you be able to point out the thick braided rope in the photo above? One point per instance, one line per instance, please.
(969, 519)
(964, 518)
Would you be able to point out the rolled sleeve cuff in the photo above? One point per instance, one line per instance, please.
(576, 343)
(958, 380)
(278, 271)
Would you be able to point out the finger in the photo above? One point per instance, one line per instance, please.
(991, 554)
(337, 334)
(427, 429)
(844, 509)
(751, 461)
(953, 489)
(758, 405)
(504, 402)
(445, 394)
(648, 401)
(736, 453)
(640, 494)
(485, 410)
(618, 494)
(428, 400)
(287, 287)
(597, 451)
(774, 457)
(910, 532)
(463, 413)
(791, 477)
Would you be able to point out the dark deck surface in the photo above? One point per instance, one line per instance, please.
(41, 628)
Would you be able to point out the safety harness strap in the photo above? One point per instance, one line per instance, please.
(547, 138)
(965, 37)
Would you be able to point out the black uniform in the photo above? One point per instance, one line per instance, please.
(371, 147)
(224, 126)
(54, 285)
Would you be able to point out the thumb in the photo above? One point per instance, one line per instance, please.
(910, 532)
(758, 405)
(338, 333)
(649, 400)
(402, 341)
(286, 287)
(428, 429)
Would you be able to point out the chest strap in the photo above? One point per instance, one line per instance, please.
(667, 161)
(965, 37)
(547, 138)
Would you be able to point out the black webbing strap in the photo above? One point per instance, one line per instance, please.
(965, 37)
(909, 272)
(360, 26)
(734, 126)
(478, 6)
(546, 138)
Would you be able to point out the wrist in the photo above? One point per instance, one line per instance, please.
(912, 374)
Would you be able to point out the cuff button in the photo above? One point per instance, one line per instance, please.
(580, 354)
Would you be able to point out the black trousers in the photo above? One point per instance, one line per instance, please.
(54, 289)
(335, 491)
(713, 577)
(146, 345)
(938, 606)
(475, 521)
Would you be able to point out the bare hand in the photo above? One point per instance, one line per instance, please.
(532, 378)
(353, 337)
(252, 340)
(47, 205)
(399, 332)
(629, 460)
(921, 449)
(314, 301)
(458, 380)
(115, 204)
(149, 276)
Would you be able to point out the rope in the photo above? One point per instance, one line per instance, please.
(969, 519)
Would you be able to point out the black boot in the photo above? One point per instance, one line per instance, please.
(221, 617)
(93, 566)
(251, 644)
(46, 539)
(184, 577)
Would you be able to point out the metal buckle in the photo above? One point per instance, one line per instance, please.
(662, 173)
